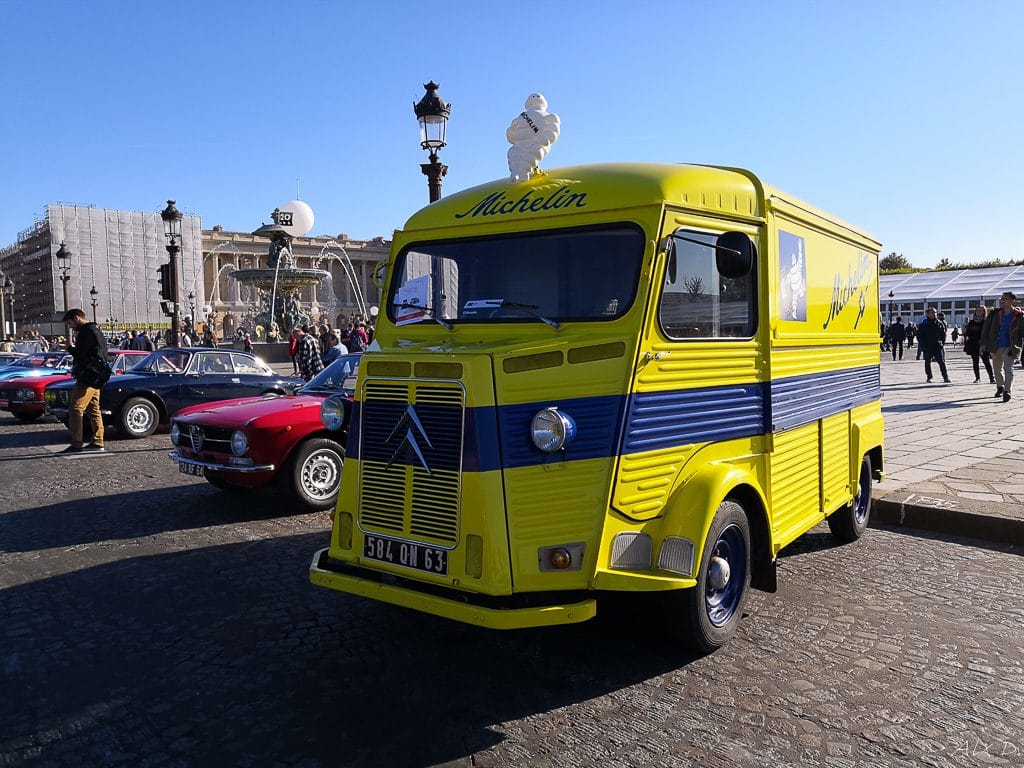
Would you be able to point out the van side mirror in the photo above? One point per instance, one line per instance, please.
(734, 254)
(377, 276)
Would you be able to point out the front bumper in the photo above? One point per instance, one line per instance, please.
(219, 467)
(455, 605)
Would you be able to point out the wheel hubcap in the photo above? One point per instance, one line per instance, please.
(139, 419)
(321, 473)
(726, 574)
(860, 501)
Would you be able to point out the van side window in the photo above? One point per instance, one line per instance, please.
(697, 302)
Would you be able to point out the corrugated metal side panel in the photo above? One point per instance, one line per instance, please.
(795, 484)
(835, 460)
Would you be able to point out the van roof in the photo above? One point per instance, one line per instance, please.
(592, 188)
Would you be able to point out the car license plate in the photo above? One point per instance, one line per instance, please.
(405, 553)
(190, 469)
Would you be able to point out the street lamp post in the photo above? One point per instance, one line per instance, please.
(172, 231)
(94, 293)
(64, 265)
(432, 114)
(3, 307)
(891, 296)
(9, 290)
(192, 309)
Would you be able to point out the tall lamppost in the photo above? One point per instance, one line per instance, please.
(891, 296)
(9, 291)
(172, 231)
(94, 293)
(192, 309)
(433, 114)
(64, 265)
(3, 307)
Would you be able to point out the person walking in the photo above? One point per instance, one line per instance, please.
(307, 353)
(1001, 338)
(293, 348)
(931, 339)
(972, 344)
(90, 372)
(897, 335)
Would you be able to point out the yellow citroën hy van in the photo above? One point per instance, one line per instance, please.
(608, 378)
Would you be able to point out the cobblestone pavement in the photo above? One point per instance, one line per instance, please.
(149, 620)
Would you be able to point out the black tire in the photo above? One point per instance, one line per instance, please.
(705, 617)
(138, 418)
(313, 473)
(849, 523)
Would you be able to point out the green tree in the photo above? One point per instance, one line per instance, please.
(895, 262)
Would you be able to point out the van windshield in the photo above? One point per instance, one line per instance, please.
(552, 277)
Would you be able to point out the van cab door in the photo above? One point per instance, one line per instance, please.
(700, 369)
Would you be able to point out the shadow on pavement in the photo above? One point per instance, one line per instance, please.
(228, 656)
(134, 515)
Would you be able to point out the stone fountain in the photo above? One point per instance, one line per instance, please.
(280, 281)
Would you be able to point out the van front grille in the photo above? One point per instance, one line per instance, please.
(411, 459)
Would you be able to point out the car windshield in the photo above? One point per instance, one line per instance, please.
(38, 361)
(339, 375)
(164, 361)
(549, 277)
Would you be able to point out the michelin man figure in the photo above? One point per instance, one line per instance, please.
(531, 135)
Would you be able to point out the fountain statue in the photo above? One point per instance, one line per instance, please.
(278, 284)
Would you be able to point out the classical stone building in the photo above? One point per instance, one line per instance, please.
(348, 292)
(118, 254)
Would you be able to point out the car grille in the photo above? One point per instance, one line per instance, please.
(61, 397)
(199, 438)
(411, 459)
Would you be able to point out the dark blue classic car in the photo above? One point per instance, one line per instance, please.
(170, 379)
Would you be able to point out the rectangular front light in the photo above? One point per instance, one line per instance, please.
(676, 555)
(343, 526)
(631, 550)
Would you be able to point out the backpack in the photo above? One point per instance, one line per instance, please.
(356, 342)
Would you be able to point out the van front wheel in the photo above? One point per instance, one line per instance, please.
(705, 617)
(849, 523)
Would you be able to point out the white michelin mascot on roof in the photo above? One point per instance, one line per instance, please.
(531, 135)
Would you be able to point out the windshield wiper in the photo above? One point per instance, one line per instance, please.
(425, 308)
(530, 309)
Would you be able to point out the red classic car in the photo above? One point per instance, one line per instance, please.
(251, 441)
(23, 396)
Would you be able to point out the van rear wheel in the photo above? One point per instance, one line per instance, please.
(849, 523)
(705, 617)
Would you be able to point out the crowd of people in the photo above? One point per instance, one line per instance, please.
(311, 348)
(991, 337)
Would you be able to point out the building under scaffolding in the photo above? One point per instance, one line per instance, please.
(117, 253)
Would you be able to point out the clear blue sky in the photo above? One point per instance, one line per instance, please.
(903, 118)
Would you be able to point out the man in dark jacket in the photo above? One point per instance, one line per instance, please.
(90, 353)
(931, 338)
(897, 335)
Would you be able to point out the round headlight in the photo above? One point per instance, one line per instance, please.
(332, 413)
(552, 430)
(175, 433)
(239, 443)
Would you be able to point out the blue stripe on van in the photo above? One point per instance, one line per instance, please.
(496, 438)
(803, 399)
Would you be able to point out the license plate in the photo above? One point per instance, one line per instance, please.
(190, 469)
(405, 553)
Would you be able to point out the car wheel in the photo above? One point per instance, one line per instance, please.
(705, 617)
(138, 418)
(313, 474)
(849, 523)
